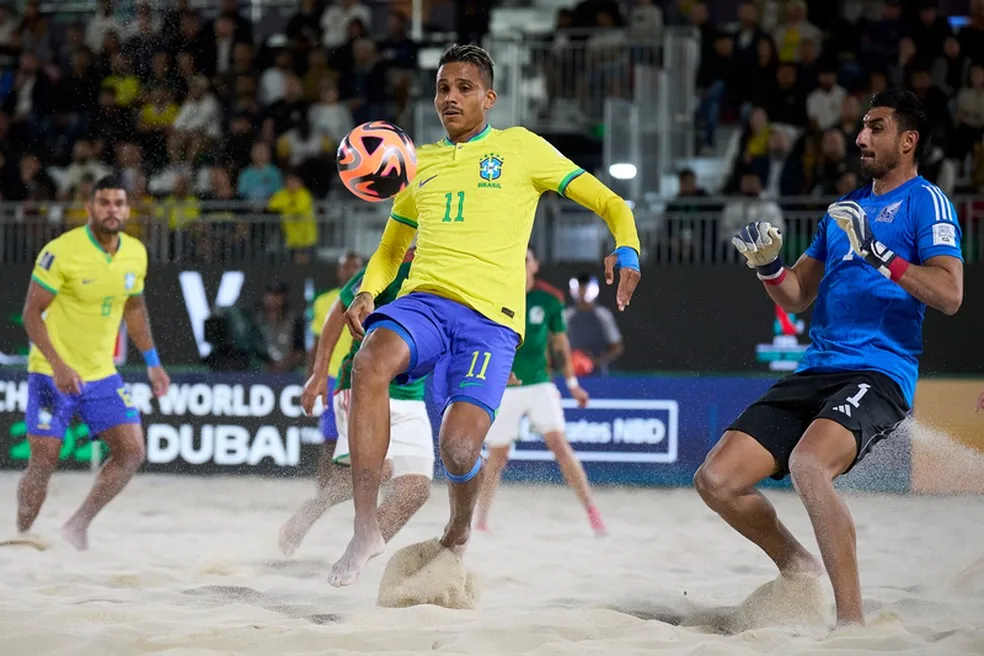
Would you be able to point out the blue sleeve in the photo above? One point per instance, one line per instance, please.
(936, 226)
(818, 247)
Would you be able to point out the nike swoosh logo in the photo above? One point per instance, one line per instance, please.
(426, 181)
(467, 384)
(86, 282)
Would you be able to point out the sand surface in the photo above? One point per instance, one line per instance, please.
(190, 566)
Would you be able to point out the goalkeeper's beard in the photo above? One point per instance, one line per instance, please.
(878, 167)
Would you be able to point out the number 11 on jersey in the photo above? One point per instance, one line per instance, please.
(448, 199)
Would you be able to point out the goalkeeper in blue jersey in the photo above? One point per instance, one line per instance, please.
(881, 255)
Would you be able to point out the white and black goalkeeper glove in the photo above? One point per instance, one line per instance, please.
(760, 243)
(852, 219)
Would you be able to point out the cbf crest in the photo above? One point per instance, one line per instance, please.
(129, 280)
(490, 170)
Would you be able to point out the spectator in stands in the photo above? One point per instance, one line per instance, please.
(748, 35)
(780, 171)
(833, 163)
(739, 212)
(824, 104)
(846, 183)
(129, 163)
(261, 179)
(142, 43)
(591, 328)
(156, 119)
(793, 31)
(850, 124)
(185, 73)
(225, 85)
(274, 79)
(110, 124)
(162, 75)
(843, 45)
(759, 85)
(329, 118)
(242, 26)
(101, 24)
(33, 184)
(305, 24)
(687, 225)
(929, 31)
(199, 122)
(971, 36)
(646, 23)
(788, 105)
(471, 19)
(35, 37)
(880, 38)
(122, 79)
(295, 204)
(901, 69)
(950, 70)
(336, 18)
(286, 113)
(84, 166)
(220, 235)
(808, 69)
(191, 40)
(303, 151)
(364, 86)
(237, 147)
(30, 99)
(935, 103)
(282, 330)
(218, 52)
(8, 27)
(754, 143)
(969, 116)
(715, 78)
(318, 72)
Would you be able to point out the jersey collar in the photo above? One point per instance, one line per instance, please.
(486, 131)
(95, 242)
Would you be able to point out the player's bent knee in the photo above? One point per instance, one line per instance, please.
(805, 465)
(376, 364)
(45, 453)
(713, 487)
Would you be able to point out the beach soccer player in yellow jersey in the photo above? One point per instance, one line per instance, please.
(84, 283)
(471, 207)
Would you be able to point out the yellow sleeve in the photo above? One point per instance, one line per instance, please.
(278, 201)
(550, 170)
(141, 273)
(588, 191)
(404, 209)
(385, 262)
(49, 269)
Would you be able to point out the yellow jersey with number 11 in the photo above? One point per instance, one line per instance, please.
(91, 288)
(473, 206)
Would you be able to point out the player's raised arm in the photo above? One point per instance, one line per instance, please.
(137, 321)
(553, 172)
(793, 288)
(385, 262)
(937, 280)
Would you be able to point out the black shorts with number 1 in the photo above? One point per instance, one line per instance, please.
(867, 403)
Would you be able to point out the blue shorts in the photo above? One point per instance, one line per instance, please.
(328, 430)
(103, 404)
(475, 353)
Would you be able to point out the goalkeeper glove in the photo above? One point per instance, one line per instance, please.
(760, 243)
(852, 219)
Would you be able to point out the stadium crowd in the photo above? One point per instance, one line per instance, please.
(192, 110)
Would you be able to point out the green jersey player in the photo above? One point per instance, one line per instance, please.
(410, 458)
(532, 394)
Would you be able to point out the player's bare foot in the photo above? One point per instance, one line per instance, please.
(482, 526)
(360, 551)
(803, 563)
(597, 523)
(290, 537)
(456, 539)
(77, 536)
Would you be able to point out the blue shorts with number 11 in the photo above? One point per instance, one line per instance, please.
(475, 352)
(103, 404)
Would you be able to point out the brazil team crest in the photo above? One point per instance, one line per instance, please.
(129, 280)
(490, 170)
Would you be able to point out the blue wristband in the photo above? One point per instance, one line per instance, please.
(151, 358)
(627, 258)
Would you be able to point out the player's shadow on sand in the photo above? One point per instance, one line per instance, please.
(220, 595)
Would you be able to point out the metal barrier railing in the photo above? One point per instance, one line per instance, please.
(690, 231)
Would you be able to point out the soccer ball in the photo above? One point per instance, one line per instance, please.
(376, 160)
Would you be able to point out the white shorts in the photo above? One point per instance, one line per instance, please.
(539, 403)
(411, 448)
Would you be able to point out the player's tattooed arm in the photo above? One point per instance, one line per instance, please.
(938, 283)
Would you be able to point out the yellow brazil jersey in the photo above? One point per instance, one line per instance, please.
(321, 308)
(296, 209)
(90, 287)
(473, 205)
